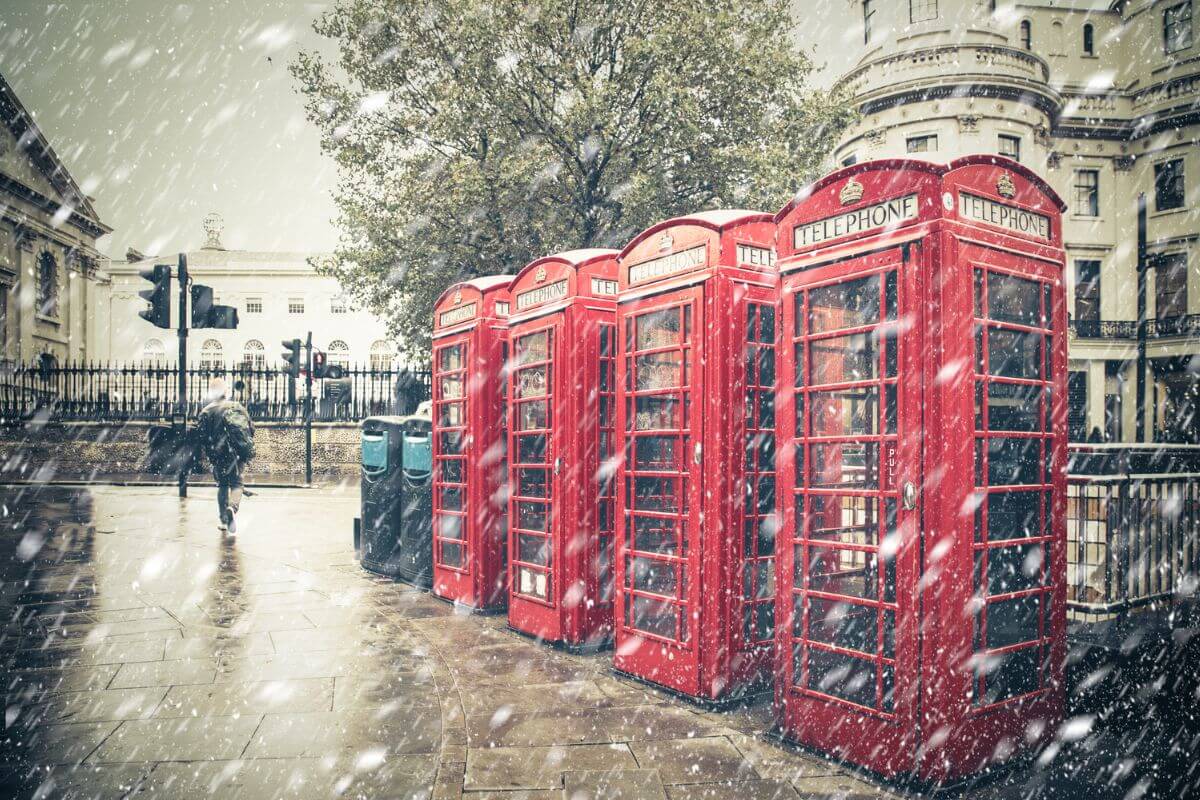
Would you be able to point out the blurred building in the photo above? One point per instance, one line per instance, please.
(50, 277)
(1103, 100)
(277, 295)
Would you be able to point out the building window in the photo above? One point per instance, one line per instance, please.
(922, 10)
(254, 355)
(338, 354)
(338, 304)
(1168, 185)
(868, 13)
(1026, 34)
(253, 305)
(1087, 193)
(1170, 286)
(1089, 40)
(211, 357)
(153, 352)
(921, 144)
(1087, 291)
(381, 356)
(850, 160)
(47, 287)
(295, 305)
(1177, 27)
(1077, 405)
(1010, 146)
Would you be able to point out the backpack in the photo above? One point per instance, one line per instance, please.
(239, 435)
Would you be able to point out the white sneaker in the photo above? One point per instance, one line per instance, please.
(232, 523)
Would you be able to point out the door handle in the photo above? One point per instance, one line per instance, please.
(909, 496)
(696, 452)
(558, 465)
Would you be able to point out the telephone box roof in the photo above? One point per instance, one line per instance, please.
(716, 219)
(483, 285)
(576, 258)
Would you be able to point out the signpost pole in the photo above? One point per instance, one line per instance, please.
(181, 410)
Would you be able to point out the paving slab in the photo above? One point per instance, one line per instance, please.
(166, 673)
(698, 760)
(256, 697)
(613, 784)
(336, 734)
(188, 739)
(505, 768)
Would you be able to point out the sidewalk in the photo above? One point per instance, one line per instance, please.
(147, 656)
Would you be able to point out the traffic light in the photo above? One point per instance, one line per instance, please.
(159, 298)
(323, 369)
(206, 314)
(291, 354)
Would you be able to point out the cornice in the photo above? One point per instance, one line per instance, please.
(91, 227)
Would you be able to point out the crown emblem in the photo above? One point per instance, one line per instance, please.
(457, 296)
(852, 192)
(540, 275)
(666, 243)
(1005, 186)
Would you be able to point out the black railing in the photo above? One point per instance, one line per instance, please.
(149, 391)
(1186, 325)
(1104, 328)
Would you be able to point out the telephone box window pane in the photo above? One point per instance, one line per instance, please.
(658, 329)
(766, 324)
(842, 676)
(450, 443)
(531, 449)
(848, 412)
(657, 453)
(452, 415)
(653, 616)
(1014, 462)
(531, 482)
(659, 371)
(657, 412)
(1013, 299)
(532, 415)
(1013, 407)
(533, 549)
(452, 470)
(652, 535)
(451, 499)
(531, 516)
(1014, 354)
(766, 494)
(450, 526)
(1013, 621)
(652, 575)
(846, 572)
(532, 381)
(1012, 569)
(847, 519)
(798, 350)
(764, 621)
(533, 347)
(844, 305)
(766, 366)
(656, 494)
(842, 624)
(845, 465)
(452, 387)
(450, 358)
(1013, 515)
(1013, 674)
(843, 359)
(452, 554)
(890, 296)
(533, 583)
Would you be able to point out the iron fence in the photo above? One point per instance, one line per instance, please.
(150, 391)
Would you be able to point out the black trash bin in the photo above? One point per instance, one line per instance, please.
(396, 536)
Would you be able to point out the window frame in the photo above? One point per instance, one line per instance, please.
(1180, 293)
(47, 295)
(1089, 39)
(921, 137)
(254, 305)
(1169, 24)
(868, 14)
(1015, 140)
(923, 7)
(295, 305)
(1161, 167)
(1079, 265)
(1093, 203)
(1026, 34)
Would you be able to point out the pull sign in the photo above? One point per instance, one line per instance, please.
(888, 478)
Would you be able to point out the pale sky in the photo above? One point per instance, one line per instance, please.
(164, 112)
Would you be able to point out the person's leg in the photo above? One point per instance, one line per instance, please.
(235, 495)
(222, 498)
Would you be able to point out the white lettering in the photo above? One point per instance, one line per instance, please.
(1018, 220)
(755, 256)
(457, 315)
(668, 265)
(542, 294)
(861, 220)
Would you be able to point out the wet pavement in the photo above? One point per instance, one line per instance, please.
(146, 655)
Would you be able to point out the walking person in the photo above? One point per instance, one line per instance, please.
(225, 437)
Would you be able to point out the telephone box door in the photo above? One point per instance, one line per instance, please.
(660, 488)
(851, 409)
(536, 463)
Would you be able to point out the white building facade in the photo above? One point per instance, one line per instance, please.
(277, 296)
(1103, 100)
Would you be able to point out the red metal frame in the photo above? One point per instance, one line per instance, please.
(469, 475)
(561, 416)
(915, 643)
(695, 486)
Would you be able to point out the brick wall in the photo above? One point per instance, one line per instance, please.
(92, 450)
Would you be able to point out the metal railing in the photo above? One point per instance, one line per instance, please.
(1133, 528)
(1186, 325)
(1104, 328)
(78, 392)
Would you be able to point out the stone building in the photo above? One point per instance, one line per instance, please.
(1103, 100)
(278, 296)
(50, 277)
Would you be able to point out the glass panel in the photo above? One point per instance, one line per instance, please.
(842, 359)
(845, 465)
(532, 381)
(1014, 407)
(657, 412)
(842, 624)
(1012, 569)
(533, 347)
(452, 415)
(1013, 354)
(1013, 515)
(845, 412)
(531, 449)
(450, 526)
(842, 676)
(653, 616)
(1013, 621)
(659, 370)
(1014, 462)
(849, 520)
(1013, 299)
(657, 453)
(452, 470)
(653, 535)
(452, 554)
(532, 516)
(532, 415)
(844, 305)
(451, 499)
(1013, 674)
(766, 366)
(849, 572)
(533, 549)
(652, 575)
(658, 329)
(450, 443)
(656, 494)
(452, 387)
(532, 483)
(450, 358)
(534, 583)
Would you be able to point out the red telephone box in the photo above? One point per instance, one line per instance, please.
(561, 414)
(470, 503)
(922, 458)
(696, 482)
